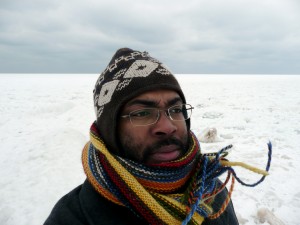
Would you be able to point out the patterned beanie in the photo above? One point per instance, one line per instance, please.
(129, 74)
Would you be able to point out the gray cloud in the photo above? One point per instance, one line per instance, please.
(250, 36)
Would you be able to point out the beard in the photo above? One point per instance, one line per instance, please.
(140, 153)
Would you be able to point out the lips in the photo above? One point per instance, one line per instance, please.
(164, 154)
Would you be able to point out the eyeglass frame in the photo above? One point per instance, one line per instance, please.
(167, 113)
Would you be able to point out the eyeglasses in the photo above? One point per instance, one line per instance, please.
(148, 116)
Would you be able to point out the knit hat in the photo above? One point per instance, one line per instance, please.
(129, 74)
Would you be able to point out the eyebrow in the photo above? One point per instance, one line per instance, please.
(151, 103)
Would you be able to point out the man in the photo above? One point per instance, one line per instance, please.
(143, 164)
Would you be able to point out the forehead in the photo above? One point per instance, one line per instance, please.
(157, 97)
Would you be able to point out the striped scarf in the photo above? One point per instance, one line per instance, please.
(176, 192)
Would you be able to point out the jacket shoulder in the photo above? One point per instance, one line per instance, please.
(228, 217)
(84, 205)
(67, 210)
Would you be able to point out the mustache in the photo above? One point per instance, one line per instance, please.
(169, 141)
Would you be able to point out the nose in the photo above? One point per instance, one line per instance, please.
(164, 127)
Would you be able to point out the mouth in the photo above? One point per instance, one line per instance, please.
(165, 153)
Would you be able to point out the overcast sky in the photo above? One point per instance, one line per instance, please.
(192, 36)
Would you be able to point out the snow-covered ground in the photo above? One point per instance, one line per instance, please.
(45, 120)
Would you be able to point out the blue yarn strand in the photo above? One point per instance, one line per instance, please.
(215, 169)
(263, 177)
(199, 194)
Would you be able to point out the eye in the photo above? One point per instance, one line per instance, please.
(176, 110)
(141, 113)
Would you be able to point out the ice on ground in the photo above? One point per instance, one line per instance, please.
(45, 122)
(209, 135)
(265, 215)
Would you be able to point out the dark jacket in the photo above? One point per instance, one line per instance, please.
(84, 206)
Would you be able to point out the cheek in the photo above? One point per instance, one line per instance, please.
(182, 129)
(136, 135)
(133, 144)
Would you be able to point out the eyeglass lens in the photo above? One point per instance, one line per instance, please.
(149, 116)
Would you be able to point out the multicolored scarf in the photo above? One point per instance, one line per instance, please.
(176, 192)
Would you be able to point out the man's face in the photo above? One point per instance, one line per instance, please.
(164, 141)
